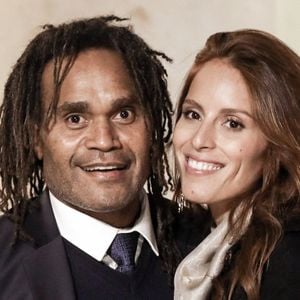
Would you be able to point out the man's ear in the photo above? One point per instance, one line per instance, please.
(38, 143)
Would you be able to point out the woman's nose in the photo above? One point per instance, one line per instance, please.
(204, 137)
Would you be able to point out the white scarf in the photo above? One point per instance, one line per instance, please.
(194, 275)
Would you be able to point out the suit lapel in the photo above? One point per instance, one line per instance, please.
(47, 268)
(48, 273)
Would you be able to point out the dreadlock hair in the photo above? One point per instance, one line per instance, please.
(21, 111)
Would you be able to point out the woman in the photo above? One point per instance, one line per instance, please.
(237, 148)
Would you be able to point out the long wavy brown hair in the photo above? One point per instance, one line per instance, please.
(271, 71)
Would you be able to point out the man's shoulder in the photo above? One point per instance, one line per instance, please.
(12, 255)
(7, 228)
(11, 250)
(15, 247)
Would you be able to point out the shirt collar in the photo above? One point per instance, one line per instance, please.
(94, 236)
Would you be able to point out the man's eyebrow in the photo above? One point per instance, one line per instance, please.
(130, 100)
(80, 107)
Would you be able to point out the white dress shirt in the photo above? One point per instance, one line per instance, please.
(93, 236)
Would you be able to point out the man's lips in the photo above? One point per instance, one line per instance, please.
(105, 167)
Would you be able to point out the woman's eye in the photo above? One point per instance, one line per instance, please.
(233, 124)
(192, 115)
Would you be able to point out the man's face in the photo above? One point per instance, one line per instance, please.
(96, 154)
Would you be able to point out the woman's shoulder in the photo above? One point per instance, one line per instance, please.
(292, 224)
(287, 251)
(191, 226)
(281, 279)
(289, 244)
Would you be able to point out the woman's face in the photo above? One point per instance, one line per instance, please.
(219, 148)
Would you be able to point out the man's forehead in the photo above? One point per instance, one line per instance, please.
(108, 62)
(94, 54)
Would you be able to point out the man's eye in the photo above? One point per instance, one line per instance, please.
(75, 119)
(125, 116)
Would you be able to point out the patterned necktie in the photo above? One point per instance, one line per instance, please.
(122, 251)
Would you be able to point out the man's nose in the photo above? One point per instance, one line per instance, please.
(103, 136)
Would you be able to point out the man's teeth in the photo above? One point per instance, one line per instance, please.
(203, 166)
(101, 169)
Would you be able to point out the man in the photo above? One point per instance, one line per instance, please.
(84, 120)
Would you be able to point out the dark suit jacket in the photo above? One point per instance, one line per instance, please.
(38, 270)
(281, 278)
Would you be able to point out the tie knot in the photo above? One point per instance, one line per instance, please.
(123, 249)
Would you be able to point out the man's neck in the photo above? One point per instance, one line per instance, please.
(120, 218)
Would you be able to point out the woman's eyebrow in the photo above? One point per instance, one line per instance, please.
(235, 111)
(225, 110)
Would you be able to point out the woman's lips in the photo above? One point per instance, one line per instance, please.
(202, 167)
